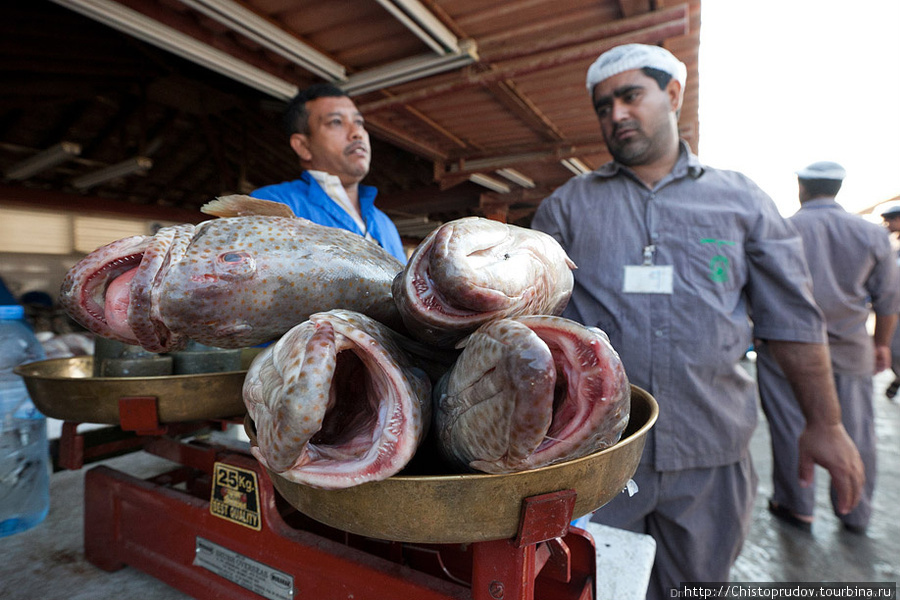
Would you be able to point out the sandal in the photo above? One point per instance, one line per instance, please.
(783, 514)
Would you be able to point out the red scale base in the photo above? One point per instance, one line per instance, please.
(161, 525)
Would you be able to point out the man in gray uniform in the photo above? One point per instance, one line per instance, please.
(854, 271)
(672, 254)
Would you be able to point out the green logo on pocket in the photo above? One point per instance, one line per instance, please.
(718, 264)
(718, 268)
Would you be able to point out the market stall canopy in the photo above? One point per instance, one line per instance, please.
(158, 105)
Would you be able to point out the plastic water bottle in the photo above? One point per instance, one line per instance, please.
(24, 451)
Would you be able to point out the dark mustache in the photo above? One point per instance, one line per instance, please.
(625, 125)
(354, 145)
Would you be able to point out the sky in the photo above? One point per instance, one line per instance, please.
(784, 83)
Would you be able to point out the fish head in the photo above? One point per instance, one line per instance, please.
(531, 391)
(495, 405)
(223, 288)
(335, 402)
(474, 270)
(98, 290)
(488, 266)
(142, 290)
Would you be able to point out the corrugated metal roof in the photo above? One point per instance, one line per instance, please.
(449, 89)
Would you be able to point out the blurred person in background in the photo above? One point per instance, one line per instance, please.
(854, 273)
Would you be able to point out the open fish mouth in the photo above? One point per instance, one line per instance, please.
(84, 290)
(335, 404)
(109, 291)
(353, 422)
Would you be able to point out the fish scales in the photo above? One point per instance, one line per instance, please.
(474, 270)
(230, 282)
(528, 392)
(336, 402)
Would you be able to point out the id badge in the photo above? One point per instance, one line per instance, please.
(648, 279)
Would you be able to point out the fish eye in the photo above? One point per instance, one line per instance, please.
(232, 265)
(233, 257)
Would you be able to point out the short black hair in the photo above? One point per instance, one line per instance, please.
(661, 78)
(296, 117)
(821, 187)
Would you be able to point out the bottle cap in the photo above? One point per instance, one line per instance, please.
(12, 311)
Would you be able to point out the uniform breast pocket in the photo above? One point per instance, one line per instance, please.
(715, 259)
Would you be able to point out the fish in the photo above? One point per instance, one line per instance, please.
(528, 392)
(474, 270)
(236, 281)
(336, 402)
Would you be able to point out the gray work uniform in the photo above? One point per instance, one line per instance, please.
(729, 251)
(854, 271)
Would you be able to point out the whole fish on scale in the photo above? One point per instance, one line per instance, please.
(232, 282)
(474, 270)
(528, 392)
(336, 402)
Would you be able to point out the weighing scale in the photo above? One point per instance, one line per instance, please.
(218, 525)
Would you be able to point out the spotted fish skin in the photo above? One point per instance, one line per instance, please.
(336, 402)
(529, 392)
(474, 270)
(230, 282)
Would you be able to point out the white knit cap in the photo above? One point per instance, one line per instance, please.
(634, 56)
(888, 209)
(823, 170)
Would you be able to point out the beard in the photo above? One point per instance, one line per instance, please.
(638, 149)
(630, 152)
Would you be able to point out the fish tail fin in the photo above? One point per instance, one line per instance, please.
(237, 205)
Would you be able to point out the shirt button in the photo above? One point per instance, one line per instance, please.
(658, 333)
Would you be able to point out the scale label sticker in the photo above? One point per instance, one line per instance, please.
(244, 571)
(235, 496)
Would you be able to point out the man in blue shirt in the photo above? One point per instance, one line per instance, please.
(327, 132)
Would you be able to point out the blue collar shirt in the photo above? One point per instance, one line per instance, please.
(308, 200)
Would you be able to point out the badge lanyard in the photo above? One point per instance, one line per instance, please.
(648, 278)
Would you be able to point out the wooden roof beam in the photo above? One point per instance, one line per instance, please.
(427, 200)
(461, 170)
(497, 47)
(630, 8)
(532, 64)
(403, 140)
(517, 103)
(87, 204)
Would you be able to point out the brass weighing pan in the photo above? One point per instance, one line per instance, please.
(447, 509)
(64, 388)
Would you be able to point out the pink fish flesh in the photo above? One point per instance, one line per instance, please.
(229, 282)
(474, 270)
(529, 392)
(336, 403)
